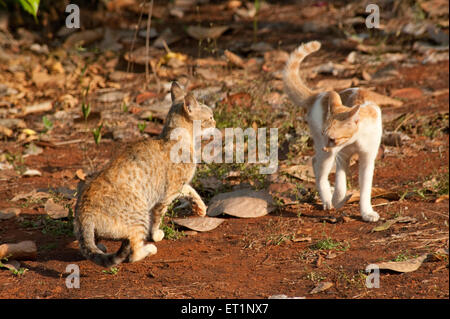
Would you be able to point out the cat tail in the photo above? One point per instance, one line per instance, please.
(295, 88)
(86, 241)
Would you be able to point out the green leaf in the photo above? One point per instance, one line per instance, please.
(30, 6)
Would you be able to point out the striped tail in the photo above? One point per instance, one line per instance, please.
(88, 248)
(297, 91)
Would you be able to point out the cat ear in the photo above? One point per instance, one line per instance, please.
(334, 102)
(354, 113)
(189, 103)
(176, 92)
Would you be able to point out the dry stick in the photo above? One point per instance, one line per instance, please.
(23, 250)
(147, 43)
(135, 36)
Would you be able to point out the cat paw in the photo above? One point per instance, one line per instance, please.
(158, 235)
(149, 249)
(143, 252)
(327, 205)
(199, 208)
(370, 216)
(102, 247)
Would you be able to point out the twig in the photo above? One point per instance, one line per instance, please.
(135, 36)
(147, 43)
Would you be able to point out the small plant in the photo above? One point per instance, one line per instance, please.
(111, 271)
(170, 232)
(315, 277)
(328, 244)
(280, 239)
(97, 132)
(54, 227)
(124, 107)
(142, 126)
(48, 125)
(14, 271)
(86, 110)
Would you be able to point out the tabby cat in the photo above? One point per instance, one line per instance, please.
(127, 200)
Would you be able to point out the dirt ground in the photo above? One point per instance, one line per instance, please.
(293, 249)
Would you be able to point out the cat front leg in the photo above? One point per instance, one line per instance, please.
(340, 187)
(322, 164)
(198, 206)
(366, 168)
(157, 213)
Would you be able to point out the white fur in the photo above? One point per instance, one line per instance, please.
(365, 142)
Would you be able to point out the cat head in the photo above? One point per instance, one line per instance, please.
(190, 108)
(341, 123)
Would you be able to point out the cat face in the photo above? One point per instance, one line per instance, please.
(197, 111)
(192, 109)
(341, 124)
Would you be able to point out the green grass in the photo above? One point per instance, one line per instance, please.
(330, 244)
(170, 232)
(49, 226)
(16, 272)
(111, 271)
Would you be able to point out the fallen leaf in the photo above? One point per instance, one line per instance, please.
(384, 226)
(376, 192)
(234, 59)
(144, 97)
(403, 266)
(32, 172)
(324, 285)
(302, 172)
(54, 210)
(200, 224)
(244, 203)
(301, 239)
(83, 38)
(441, 198)
(8, 213)
(35, 195)
(80, 174)
(201, 33)
(37, 108)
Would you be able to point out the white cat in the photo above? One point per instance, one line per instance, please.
(341, 125)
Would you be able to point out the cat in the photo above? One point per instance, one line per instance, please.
(127, 200)
(341, 125)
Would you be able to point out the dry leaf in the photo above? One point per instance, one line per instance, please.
(80, 174)
(32, 172)
(33, 195)
(54, 210)
(83, 38)
(302, 239)
(200, 224)
(376, 192)
(441, 198)
(244, 203)
(403, 266)
(201, 33)
(300, 171)
(324, 285)
(8, 213)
